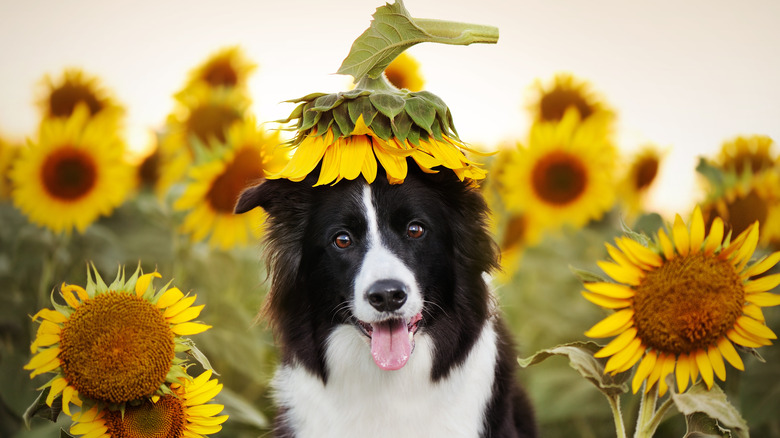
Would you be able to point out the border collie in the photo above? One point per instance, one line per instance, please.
(378, 299)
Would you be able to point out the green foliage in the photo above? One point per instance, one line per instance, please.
(393, 30)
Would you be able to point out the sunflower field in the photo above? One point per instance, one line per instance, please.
(131, 290)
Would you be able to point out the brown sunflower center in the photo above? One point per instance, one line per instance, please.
(645, 171)
(744, 210)
(397, 77)
(210, 122)
(116, 347)
(63, 100)
(221, 73)
(246, 167)
(745, 159)
(555, 103)
(688, 304)
(164, 419)
(69, 173)
(559, 178)
(149, 170)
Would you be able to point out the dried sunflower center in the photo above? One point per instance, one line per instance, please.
(245, 168)
(688, 304)
(116, 347)
(645, 172)
(559, 178)
(69, 173)
(745, 210)
(164, 419)
(63, 100)
(221, 73)
(555, 103)
(211, 121)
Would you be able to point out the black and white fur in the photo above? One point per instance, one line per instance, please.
(459, 380)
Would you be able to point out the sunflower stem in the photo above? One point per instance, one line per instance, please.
(659, 415)
(379, 83)
(614, 404)
(646, 413)
(453, 32)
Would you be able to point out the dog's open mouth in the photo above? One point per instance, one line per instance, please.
(392, 341)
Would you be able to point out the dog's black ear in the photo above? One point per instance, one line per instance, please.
(273, 195)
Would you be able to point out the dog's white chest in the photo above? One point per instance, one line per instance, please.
(361, 400)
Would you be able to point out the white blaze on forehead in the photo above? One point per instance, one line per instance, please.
(379, 263)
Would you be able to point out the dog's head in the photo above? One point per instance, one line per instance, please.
(387, 259)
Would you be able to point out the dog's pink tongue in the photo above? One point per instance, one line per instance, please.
(390, 344)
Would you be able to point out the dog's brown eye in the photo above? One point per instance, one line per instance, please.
(415, 230)
(342, 240)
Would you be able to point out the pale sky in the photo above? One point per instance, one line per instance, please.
(684, 75)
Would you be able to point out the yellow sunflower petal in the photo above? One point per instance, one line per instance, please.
(762, 284)
(88, 416)
(717, 362)
(705, 367)
(189, 328)
(187, 434)
(369, 166)
(42, 358)
(621, 273)
(610, 290)
(205, 410)
(67, 394)
(655, 374)
(168, 298)
(600, 300)
(755, 327)
(331, 163)
(43, 341)
(683, 372)
(617, 344)
(49, 328)
(751, 337)
(762, 266)
(203, 397)
(203, 430)
(666, 244)
(71, 297)
(697, 230)
(641, 252)
(186, 315)
(621, 256)
(353, 155)
(682, 240)
(747, 249)
(643, 371)
(179, 306)
(393, 165)
(632, 360)
(143, 282)
(744, 341)
(754, 312)
(715, 238)
(85, 427)
(99, 432)
(624, 356)
(56, 388)
(608, 325)
(730, 354)
(666, 368)
(765, 299)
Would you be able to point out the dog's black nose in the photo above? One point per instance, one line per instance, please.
(386, 295)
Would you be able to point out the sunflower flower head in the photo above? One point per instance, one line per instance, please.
(249, 155)
(639, 177)
(60, 97)
(747, 153)
(349, 134)
(682, 302)
(226, 68)
(113, 344)
(564, 177)
(551, 101)
(73, 174)
(182, 413)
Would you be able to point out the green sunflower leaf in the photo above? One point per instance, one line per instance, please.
(387, 103)
(39, 408)
(381, 127)
(714, 404)
(401, 125)
(64, 434)
(327, 102)
(421, 112)
(361, 105)
(393, 30)
(581, 358)
(324, 123)
(310, 117)
(587, 276)
(702, 426)
(354, 94)
(341, 116)
(307, 98)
